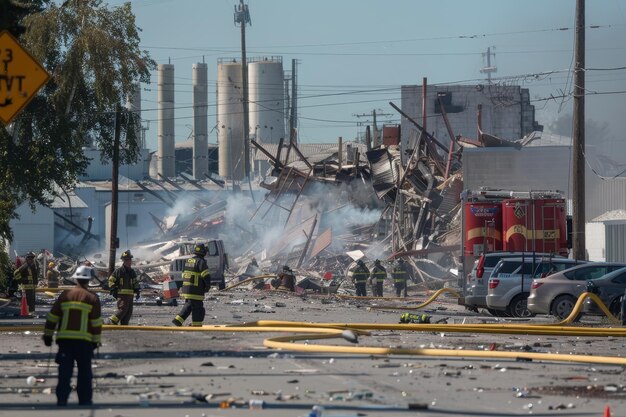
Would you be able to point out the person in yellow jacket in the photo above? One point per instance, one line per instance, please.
(123, 283)
(27, 276)
(52, 276)
(196, 282)
(76, 318)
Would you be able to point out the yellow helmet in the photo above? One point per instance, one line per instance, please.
(51, 264)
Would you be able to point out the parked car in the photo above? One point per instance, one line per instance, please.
(476, 289)
(557, 294)
(610, 288)
(510, 281)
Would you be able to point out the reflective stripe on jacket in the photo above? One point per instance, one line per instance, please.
(76, 316)
(196, 279)
(124, 280)
(399, 274)
(360, 274)
(379, 274)
(26, 276)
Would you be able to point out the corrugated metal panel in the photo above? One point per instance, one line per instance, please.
(384, 174)
(314, 152)
(604, 194)
(615, 242)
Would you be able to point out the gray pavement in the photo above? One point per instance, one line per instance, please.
(189, 374)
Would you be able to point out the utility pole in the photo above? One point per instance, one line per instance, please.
(578, 139)
(242, 17)
(489, 69)
(113, 240)
(373, 115)
(293, 116)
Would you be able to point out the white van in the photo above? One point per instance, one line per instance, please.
(216, 258)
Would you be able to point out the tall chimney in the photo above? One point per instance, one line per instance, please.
(200, 121)
(165, 132)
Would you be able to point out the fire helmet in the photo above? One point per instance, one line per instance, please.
(126, 255)
(200, 249)
(82, 273)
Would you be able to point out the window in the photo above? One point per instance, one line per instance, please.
(131, 220)
(620, 279)
(506, 267)
(212, 248)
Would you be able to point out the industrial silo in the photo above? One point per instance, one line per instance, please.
(230, 119)
(165, 130)
(200, 127)
(267, 99)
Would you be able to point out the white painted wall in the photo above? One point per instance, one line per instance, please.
(595, 240)
(32, 231)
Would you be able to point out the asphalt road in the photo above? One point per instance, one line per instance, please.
(176, 373)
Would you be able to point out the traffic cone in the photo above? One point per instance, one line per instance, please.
(24, 308)
(607, 411)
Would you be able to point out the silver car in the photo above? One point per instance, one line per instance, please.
(510, 281)
(476, 289)
(557, 294)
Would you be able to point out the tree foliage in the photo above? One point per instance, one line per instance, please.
(92, 54)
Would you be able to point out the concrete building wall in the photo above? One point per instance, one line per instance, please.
(506, 111)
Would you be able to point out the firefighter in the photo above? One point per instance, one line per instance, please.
(123, 283)
(360, 274)
(196, 282)
(75, 316)
(27, 276)
(287, 279)
(378, 276)
(400, 277)
(52, 276)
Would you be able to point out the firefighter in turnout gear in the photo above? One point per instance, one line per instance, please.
(27, 276)
(360, 274)
(400, 277)
(75, 316)
(123, 284)
(378, 276)
(196, 282)
(287, 279)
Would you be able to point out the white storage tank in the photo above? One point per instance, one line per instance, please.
(230, 119)
(267, 99)
(165, 131)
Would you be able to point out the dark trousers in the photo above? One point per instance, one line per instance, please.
(378, 289)
(81, 352)
(361, 289)
(196, 309)
(124, 310)
(400, 286)
(30, 300)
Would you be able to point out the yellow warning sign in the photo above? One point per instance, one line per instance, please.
(21, 76)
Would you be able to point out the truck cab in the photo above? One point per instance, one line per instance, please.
(216, 258)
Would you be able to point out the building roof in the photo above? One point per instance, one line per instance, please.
(611, 216)
(67, 199)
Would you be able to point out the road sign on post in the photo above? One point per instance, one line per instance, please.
(21, 76)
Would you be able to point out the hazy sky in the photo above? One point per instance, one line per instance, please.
(355, 54)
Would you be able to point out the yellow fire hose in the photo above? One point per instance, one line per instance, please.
(315, 331)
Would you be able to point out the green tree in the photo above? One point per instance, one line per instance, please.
(92, 54)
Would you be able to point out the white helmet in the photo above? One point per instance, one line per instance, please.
(82, 273)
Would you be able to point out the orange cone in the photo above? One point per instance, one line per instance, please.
(24, 308)
(607, 411)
